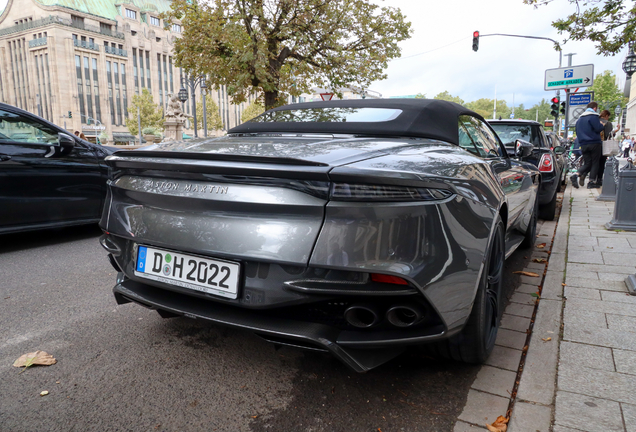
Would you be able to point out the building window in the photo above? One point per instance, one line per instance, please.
(131, 14)
(105, 28)
(80, 87)
(155, 21)
(170, 65)
(77, 21)
(176, 28)
(160, 80)
(123, 89)
(98, 110)
(87, 78)
(117, 92)
(109, 79)
(135, 77)
(165, 79)
(141, 69)
(148, 67)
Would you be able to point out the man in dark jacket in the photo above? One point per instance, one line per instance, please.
(588, 132)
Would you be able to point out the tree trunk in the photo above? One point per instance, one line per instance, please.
(271, 100)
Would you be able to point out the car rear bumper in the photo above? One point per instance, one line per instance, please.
(549, 183)
(360, 350)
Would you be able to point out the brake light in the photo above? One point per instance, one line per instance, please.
(376, 277)
(546, 163)
(387, 193)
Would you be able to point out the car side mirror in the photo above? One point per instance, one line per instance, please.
(559, 150)
(523, 149)
(65, 142)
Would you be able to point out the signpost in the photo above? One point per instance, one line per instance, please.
(577, 102)
(569, 77)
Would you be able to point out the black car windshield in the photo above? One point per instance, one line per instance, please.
(330, 115)
(508, 133)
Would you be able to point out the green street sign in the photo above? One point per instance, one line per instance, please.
(569, 77)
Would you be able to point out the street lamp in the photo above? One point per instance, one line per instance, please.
(629, 65)
(204, 94)
(189, 80)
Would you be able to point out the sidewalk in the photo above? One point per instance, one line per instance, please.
(579, 373)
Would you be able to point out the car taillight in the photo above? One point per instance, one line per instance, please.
(377, 277)
(546, 163)
(363, 192)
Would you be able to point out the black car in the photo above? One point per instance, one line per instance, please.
(544, 156)
(352, 227)
(555, 141)
(49, 178)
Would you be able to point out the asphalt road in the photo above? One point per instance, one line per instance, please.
(123, 368)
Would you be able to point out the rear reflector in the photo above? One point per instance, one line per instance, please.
(382, 278)
(546, 163)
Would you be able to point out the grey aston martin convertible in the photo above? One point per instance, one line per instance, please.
(356, 227)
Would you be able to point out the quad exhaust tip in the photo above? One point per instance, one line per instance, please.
(405, 315)
(362, 316)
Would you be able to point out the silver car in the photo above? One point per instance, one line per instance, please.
(357, 228)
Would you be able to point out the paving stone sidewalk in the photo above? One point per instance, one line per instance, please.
(579, 373)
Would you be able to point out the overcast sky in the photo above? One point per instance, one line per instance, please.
(439, 56)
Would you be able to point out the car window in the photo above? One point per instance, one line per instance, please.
(508, 133)
(472, 131)
(18, 128)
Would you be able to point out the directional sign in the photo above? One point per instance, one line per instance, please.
(569, 77)
(577, 103)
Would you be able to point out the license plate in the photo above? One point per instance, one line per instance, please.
(211, 276)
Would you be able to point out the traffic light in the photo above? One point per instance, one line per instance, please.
(554, 107)
(562, 110)
(70, 114)
(475, 40)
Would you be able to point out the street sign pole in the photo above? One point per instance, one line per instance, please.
(566, 134)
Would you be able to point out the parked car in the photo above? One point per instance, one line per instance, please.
(556, 141)
(356, 227)
(49, 178)
(543, 156)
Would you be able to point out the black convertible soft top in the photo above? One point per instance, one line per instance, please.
(422, 118)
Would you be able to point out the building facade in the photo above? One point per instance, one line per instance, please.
(77, 63)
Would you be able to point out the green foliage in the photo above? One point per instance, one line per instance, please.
(253, 110)
(286, 46)
(606, 92)
(449, 97)
(610, 24)
(150, 113)
(213, 121)
(420, 96)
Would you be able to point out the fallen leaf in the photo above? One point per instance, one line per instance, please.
(499, 425)
(546, 339)
(536, 295)
(525, 273)
(562, 284)
(35, 358)
(541, 245)
(540, 260)
(44, 393)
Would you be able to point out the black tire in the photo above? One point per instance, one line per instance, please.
(477, 339)
(548, 211)
(531, 232)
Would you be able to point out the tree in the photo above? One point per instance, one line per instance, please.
(150, 113)
(253, 110)
(214, 121)
(606, 92)
(420, 96)
(286, 46)
(445, 95)
(609, 23)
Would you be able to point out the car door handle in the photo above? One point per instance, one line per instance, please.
(4, 157)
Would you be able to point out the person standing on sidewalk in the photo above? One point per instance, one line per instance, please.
(608, 133)
(626, 145)
(588, 131)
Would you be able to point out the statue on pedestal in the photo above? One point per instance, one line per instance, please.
(174, 119)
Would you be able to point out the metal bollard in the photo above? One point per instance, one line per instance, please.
(608, 193)
(625, 206)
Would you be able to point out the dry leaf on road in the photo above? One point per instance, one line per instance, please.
(35, 358)
(540, 260)
(541, 245)
(546, 339)
(525, 273)
(499, 425)
(44, 393)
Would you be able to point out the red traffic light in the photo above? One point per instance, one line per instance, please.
(554, 100)
(476, 34)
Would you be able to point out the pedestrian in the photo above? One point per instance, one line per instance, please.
(588, 131)
(607, 134)
(76, 133)
(626, 145)
(82, 136)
